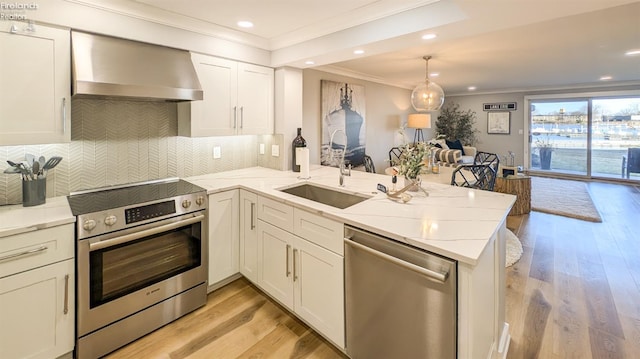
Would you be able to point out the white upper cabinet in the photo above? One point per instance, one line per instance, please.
(238, 99)
(35, 85)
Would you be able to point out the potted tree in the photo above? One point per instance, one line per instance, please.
(456, 124)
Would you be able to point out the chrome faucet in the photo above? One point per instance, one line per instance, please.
(344, 171)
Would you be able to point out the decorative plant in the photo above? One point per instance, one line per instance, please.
(455, 124)
(544, 143)
(413, 158)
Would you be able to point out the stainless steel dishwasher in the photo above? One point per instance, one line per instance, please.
(401, 302)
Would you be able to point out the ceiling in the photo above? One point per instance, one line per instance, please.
(494, 45)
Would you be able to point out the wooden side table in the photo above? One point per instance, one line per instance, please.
(520, 186)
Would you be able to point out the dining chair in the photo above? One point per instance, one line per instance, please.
(631, 162)
(368, 164)
(481, 176)
(394, 155)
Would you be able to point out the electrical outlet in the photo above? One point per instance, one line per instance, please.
(262, 148)
(216, 152)
(275, 150)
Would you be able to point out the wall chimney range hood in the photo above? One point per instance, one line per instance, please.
(108, 67)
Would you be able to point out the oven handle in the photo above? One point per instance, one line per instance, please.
(147, 232)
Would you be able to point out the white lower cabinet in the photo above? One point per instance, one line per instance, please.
(249, 235)
(223, 235)
(303, 276)
(37, 295)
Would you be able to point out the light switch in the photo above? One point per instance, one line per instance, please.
(520, 132)
(216, 152)
(275, 150)
(262, 148)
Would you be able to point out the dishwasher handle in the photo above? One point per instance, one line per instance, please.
(441, 277)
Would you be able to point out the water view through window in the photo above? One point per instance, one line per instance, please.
(594, 137)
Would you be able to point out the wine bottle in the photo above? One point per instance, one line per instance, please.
(299, 141)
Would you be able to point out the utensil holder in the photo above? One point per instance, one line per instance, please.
(34, 192)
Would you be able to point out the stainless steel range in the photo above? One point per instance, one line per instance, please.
(141, 260)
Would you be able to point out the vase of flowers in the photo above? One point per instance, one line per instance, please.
(413, 160)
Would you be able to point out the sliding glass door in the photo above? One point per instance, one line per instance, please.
(593, 136)
(560, 136)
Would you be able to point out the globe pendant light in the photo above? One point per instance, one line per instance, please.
(427, 96)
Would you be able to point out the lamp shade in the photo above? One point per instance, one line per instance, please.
(419, 120)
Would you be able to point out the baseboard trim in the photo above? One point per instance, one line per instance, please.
(505, 340)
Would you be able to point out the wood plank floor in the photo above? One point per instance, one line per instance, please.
(574, 294)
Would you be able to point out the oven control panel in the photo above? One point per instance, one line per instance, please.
(112, 220)
(150, 211)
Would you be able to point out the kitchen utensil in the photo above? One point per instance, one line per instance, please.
(35, 169)
(51, 163)
(30, 159)
(13, 170)
(27, 168)
(42, 161)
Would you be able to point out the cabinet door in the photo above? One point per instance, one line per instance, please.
(37, 312)
(319, 289)
(223, 235)
(274, 261)
(249, 235)
(216, 114)
(35, 86)
(255, 99)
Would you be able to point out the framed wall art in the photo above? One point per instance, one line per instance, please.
(343, 116)
(498, 122)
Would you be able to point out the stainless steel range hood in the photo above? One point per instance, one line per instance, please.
(109, 67)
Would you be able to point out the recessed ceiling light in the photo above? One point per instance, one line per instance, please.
(434, 74)
(429, 36)
(309, 62)
(471, 88)
(605, 78)
(245, 24)
(358, 52)
(632, 52)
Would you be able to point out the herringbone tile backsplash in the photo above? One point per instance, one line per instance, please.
(115, 142)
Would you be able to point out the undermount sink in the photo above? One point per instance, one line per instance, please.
(328, 196)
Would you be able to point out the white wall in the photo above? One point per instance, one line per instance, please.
(386, 107)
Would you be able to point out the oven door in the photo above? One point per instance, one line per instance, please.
(124, 272)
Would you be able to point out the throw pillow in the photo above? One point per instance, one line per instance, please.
(448, 156)
(441, 143)
(455, 145)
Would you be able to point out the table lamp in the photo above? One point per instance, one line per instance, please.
(419, 121)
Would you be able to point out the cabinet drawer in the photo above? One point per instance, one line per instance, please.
(319, 230)
(30, 250)
(275, 213)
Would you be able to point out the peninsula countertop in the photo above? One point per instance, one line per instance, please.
(454, 222)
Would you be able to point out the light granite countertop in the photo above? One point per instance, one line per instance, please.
(16, 219)
(454, 222)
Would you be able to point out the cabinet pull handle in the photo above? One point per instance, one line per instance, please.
(66, 294)
(295, 271)
(64, 115)
(241, 117)
(288, 272)
(24, 254)
(235, 116)
(253, 223)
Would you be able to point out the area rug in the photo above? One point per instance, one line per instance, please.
(564, 198)
(513, 249)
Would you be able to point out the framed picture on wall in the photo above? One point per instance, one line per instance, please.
(343, 118)
(499, 122)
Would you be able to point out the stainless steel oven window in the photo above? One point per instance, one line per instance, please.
(117, 271)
